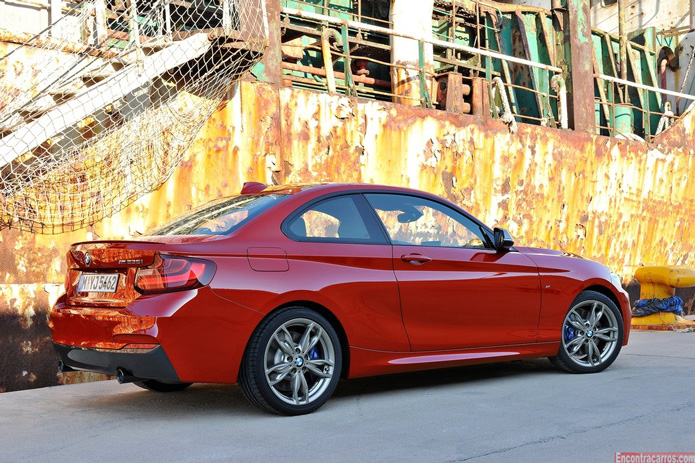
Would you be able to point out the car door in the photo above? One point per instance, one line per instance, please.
(340, 253)
(456, 291)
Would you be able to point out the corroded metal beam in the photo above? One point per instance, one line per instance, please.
(272, 69)
(579, 54)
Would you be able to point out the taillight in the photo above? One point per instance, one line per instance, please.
(174, 273)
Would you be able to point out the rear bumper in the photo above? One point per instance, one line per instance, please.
(140, 363)
(201, 336)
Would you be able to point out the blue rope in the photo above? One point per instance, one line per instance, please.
(649, 306)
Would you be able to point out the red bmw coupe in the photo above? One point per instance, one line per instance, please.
(285, 290)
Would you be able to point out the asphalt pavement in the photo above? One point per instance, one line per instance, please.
(522, 411)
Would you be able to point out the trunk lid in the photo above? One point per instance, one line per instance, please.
(114, 273)
(102, 273)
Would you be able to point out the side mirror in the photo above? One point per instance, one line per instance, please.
(502, 239)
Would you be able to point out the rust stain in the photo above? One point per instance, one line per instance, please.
(27, 359)
(619, 202)
(600, 197)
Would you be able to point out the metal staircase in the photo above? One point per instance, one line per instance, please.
(120, 108)
(61, 108)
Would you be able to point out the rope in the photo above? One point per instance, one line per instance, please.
(665, 121)
(645, 307)
(507, 116)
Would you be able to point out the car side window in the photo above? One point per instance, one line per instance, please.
(411, 220)
(336, 219)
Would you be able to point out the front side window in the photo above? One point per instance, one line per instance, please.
(334, 219)
(220, 217)
(411, 220)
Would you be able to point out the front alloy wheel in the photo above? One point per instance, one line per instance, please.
(592, 334)
(292, 364)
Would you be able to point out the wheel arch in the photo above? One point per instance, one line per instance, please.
(606, 292)
(327, 314)
(624, 310)
(609, 294)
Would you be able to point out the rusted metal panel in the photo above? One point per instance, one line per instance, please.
(451, 92)
(270, 70)
(581, 52)
(596, 196)
(27, 359)
(480, 98)
(620, 202)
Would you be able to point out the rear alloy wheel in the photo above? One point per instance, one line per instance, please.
(292, 364)
(592, 334)
(154, 385)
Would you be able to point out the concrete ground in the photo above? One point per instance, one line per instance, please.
(509, 412)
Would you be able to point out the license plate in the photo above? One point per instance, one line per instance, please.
(98, 283)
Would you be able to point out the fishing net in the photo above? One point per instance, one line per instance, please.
(112, 101)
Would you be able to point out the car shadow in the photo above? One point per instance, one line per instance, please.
(222, 400)
(443, 377)
(209, 400)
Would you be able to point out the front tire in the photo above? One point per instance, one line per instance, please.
(292, 363)
(592, 334)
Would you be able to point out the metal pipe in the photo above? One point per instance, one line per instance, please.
(226, 16)
(133, 32)
(100, 28)
(339, 75)
(557, 83)
(622, 35)
(167, 19)
(422, 63)
(327, 59)
(123, 376)
(43, 5)
(644, 87)
(347, 61)
(439, 43)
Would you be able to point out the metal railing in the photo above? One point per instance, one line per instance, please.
(619, 118)
(356, 12)
(346, 80)
(343, 67)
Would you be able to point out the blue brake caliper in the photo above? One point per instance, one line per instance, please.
(313, 355)
(569, 332)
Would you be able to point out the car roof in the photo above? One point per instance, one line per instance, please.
(327, 187)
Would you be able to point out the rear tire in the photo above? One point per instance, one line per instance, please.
(292, 363)
(592, 334)
(158, 386)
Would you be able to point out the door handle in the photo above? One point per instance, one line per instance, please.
(416, 259)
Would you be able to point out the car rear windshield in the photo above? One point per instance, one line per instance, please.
(220, 217)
